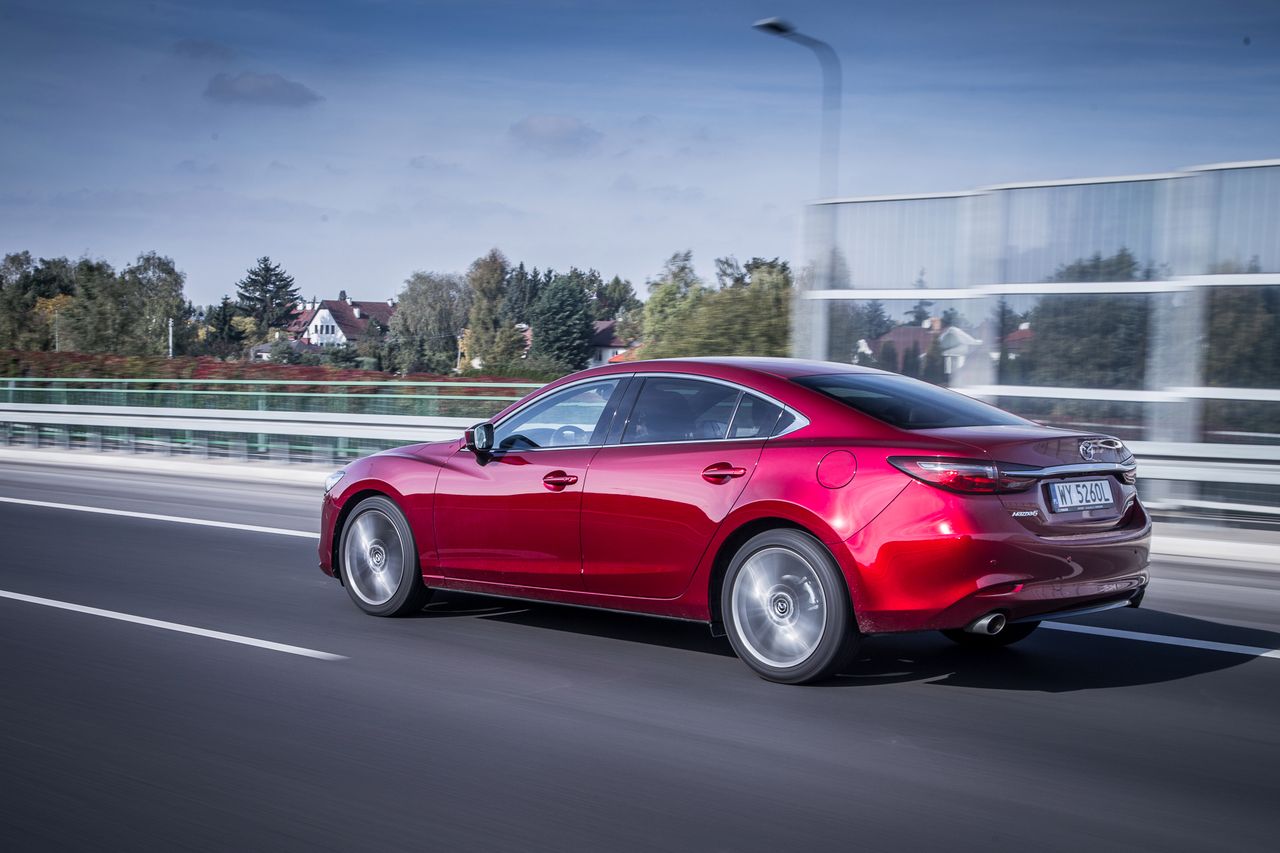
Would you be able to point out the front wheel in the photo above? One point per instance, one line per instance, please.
(379, 562)
(786, 609)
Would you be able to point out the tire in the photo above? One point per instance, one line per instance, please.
(1010, 635)
(379, 560)
(786, 609)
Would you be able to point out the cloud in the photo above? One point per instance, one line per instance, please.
(269, 90)
(671, 194)
(427, 163)
(203, 50)
(277, 166)
(196, 167)
(555, 135)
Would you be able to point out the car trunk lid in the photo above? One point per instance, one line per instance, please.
(1080, 486)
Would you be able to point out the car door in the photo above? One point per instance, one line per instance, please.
(656, 494)
(513, 516)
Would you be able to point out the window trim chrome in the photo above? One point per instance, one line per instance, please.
(799, 423)
(622, 377)
(800, 420)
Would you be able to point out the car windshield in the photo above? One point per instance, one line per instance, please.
(905, 402)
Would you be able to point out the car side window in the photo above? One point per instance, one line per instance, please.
(572, 417)
(755, 418)
(670, 409)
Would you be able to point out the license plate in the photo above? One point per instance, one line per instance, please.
(1080, 494)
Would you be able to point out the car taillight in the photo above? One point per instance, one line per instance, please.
(967, 476)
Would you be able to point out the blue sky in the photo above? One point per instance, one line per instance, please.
(358, 140)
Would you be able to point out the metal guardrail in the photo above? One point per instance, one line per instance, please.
(209, 433)
(279, 419)
(408, 398)
(1191, 478)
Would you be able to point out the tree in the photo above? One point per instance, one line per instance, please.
(1009, 371)
(889, 358)
(104, 315)
(1090, 340)
(920, 312)
(34, 297)
(129, 313)
(267, 294)
(614, 299)
(158, 284)
(562, 323)
(873, 320)
(490, 338)
(672, 298)
(282, 352)
(1122, 266)
(729, 273)
(934, 370)
(752, 318)
(430, 313)
(222, 337)
(520, 292)
(911, 361)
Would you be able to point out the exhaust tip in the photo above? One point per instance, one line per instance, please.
(990, 625)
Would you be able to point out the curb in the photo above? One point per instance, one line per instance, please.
(1216, 549)
(264, 472)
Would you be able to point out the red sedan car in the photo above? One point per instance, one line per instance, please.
(796, 506)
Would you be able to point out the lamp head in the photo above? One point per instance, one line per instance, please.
(774, 26)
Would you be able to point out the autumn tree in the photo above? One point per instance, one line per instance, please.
(492, 336)
(430, 313)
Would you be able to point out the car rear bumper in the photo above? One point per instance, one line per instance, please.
(940, 561)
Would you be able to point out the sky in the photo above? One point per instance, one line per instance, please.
(356, 141)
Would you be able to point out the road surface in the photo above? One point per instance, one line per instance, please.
(486, 725)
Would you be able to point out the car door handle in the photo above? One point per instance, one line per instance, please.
(722, 472)
(557, 480)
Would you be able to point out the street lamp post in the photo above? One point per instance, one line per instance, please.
(810, 324)
(828, 166)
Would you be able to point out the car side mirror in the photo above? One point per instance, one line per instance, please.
(479, 438)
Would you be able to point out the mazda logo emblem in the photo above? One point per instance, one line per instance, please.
(1089, 450)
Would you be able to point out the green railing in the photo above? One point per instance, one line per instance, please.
(416, 399)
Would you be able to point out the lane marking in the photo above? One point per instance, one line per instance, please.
(172, 626)
(178, 519)
(1209, 645)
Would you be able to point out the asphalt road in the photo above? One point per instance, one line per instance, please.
(485, 725)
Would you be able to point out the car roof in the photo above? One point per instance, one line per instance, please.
(784, 368)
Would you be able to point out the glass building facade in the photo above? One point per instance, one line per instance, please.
(1147, 307)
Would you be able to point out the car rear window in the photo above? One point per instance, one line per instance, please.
(905, 402)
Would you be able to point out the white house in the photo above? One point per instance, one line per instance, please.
(605, 343)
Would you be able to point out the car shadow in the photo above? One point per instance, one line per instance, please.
(1051, 661)
(607, 624)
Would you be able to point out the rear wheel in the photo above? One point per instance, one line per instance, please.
(1010, 635)
(786, 610)
(379, 562)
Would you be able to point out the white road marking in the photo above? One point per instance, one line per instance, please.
(1230, 648)
(178, 519)
(172, 626)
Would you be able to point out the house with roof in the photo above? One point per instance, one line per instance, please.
(606, 346)
(955, 345)
(341, 322)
